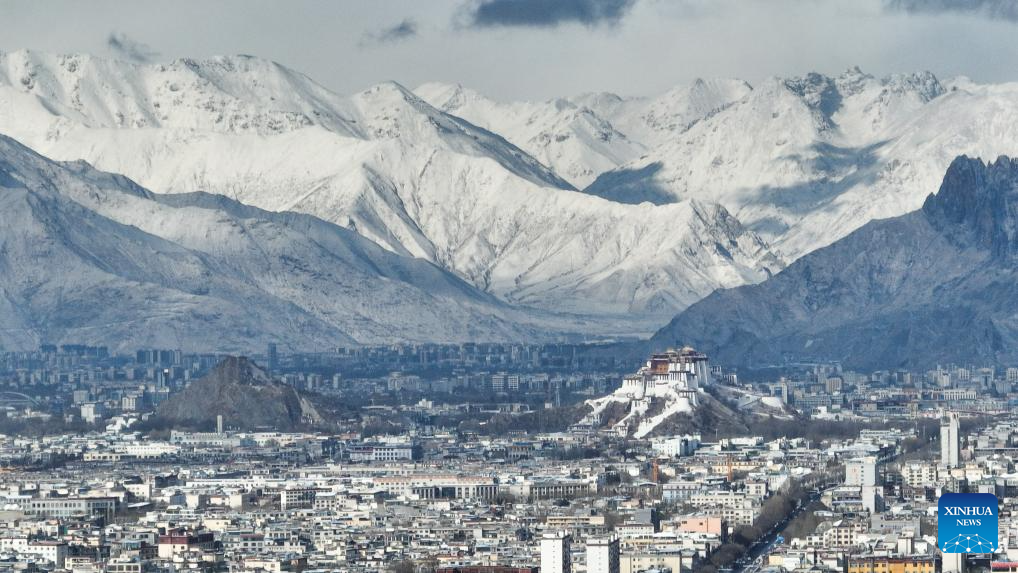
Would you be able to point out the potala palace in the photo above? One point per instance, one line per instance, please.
(669, 383)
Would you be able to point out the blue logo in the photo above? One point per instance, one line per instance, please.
(967, 523)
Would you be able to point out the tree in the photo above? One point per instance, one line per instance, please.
(726, 554)
(504, 498)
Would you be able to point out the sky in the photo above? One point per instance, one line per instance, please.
(539, 49)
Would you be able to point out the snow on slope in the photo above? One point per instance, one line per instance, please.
(187, 94)
(657, 120)
(202, 271)
(386, 164)
(640, 421)
(804, 161)
(581, 137)
(570, 138)
(800, 162)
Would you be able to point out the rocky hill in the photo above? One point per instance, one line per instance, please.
(246, 397)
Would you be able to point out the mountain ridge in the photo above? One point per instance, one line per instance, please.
(200, 271)
(417, 181)
(731, 181)
(803, 161)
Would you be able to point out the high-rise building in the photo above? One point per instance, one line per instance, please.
(498, 382)
(273, 356)
(648, 516)
(603, 555)
(950, 440)
(861, 471)
(555, 556)
(872, 498)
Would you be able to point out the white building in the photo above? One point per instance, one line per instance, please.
(919, 474)
(861, 471)
(92, 412)
(498, 382)
(872, 498)
(953, 562)
(555, 556)
(381, 452)
(53, 551)
(676, 446)
(603, 555)
(683, 370)
(295, 497)
(439, 486)
(950, 440)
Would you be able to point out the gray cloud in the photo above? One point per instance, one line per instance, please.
(403, 30)
(546, 13)
(993, 9)
(130, 49)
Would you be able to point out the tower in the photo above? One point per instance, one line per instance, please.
(950, 440)
(555, 557)
(603, 555)
(273, 356)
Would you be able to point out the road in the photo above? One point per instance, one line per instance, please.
(756, 555)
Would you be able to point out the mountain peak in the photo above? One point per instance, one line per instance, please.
(978, 201)
(854, 72)
(853, 81)
(257, 69)
(388, 91)
(818, 91)
(239, 370)
(232, 94)
(448, 97)
(924, 84)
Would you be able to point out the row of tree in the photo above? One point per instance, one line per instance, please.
(775, 510)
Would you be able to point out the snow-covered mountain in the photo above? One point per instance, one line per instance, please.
(805, 161)
(386, 164)
(583, 136)
(654, 121)
(571, 139)
(90, 256)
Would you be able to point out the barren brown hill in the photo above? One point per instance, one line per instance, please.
(244, 394)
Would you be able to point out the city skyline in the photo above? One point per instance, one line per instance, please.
(509, 286)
